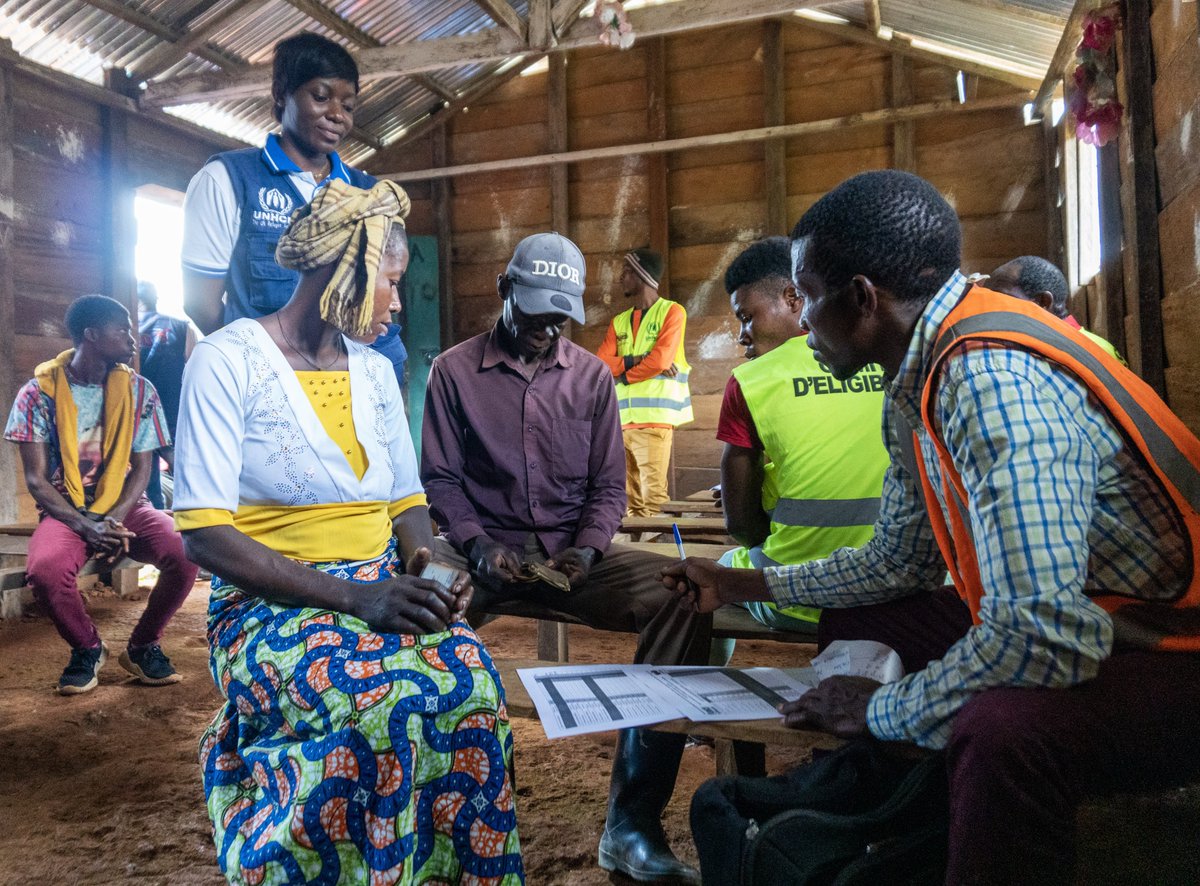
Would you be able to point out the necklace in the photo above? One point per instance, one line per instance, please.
(303, 356)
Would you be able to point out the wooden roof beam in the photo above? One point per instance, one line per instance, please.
(790, 130)
(565, 14)
(857, 34)
(492, 45)
(163, 31)
(505, 16)
(874, 17)
(163, 57)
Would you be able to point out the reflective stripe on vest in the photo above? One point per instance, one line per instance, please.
(1170, 450)
(823, 446)
(662, 399)
(826, 511)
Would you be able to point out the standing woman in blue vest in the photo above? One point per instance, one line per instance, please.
(240, 202)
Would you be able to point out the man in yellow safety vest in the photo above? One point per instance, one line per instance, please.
(644, 350)
(803, 462)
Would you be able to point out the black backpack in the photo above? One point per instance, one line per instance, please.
(858, 815)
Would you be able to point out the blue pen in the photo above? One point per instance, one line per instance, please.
(678, 541)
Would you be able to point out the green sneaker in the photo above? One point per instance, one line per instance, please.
(150, 665)
(81, 673)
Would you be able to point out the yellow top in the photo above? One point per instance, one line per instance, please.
(336, 531)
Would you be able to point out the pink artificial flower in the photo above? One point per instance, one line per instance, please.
(1100, 28)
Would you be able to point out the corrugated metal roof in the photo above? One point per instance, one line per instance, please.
(80, 39)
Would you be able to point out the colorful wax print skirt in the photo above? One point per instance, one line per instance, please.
(349, 756)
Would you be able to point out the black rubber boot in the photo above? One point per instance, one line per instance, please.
(643, 777)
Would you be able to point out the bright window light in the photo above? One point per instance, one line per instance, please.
(159, 216)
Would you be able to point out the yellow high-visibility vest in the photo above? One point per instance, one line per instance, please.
(822, 437)
(660, 400)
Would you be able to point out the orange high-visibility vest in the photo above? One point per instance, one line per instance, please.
(1170, 450)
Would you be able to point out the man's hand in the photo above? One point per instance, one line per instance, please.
(671, 371)
(405, 605)
(107, 539)
(493, 563)
(574, 563)
(462, 589)
(694, 583)
(838, 705)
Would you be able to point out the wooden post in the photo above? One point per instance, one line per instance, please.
(1111, 274)
(656, 166)
(445, 233)
(560, 210)
(1142, 233)
(658, 195)
(774, 109)
(904, 147)
(1053, 187)
(8, 461)
(120, 236)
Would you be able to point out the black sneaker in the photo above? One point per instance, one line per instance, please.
(150, 665)
(80, 674)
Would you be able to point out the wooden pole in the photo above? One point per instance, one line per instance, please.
(774, 110)
(445, 234)
(8, 385)
(662, 146)
(120, 235)
(1051, 155)
(656, 167)
(556, 99)
(1111, 273)
(1139, 82)
(904, 141)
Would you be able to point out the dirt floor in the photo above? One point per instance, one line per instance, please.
(105, 787)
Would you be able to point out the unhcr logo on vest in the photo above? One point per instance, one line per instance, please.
(276, 208)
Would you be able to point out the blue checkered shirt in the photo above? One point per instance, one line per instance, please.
(1057, 503)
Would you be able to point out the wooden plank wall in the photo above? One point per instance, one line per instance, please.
(987, 163)
(74, 163)
(1176, 116)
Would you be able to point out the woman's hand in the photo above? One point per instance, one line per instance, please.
(461, 587)
(405, 604)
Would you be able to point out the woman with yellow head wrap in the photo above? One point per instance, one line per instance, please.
(364, 738)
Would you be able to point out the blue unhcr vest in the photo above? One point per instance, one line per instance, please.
(255, 285)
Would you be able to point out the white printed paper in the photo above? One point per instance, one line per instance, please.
(711, 694)
(578, 699)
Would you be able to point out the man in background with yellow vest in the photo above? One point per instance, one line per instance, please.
(1060, 492)
(644, 350)
(803, 461)
(1041, 282)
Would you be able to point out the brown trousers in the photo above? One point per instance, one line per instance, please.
(623, 593)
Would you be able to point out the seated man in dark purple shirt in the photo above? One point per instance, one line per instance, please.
(522, 461)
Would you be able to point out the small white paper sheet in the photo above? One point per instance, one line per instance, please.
(859, 658)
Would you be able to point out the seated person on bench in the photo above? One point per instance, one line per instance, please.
(360, 710)
(522, 460)
(88, 427)
(803, 461)
(1051, 480)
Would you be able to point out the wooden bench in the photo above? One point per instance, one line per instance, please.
(702, 508)
(706, 528)
(15, 595)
